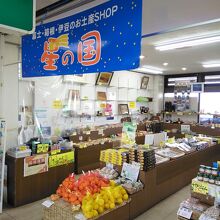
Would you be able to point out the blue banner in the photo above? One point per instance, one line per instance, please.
(104, 38)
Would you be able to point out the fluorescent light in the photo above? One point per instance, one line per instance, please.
(196, 41)
(165, 64)
(184, 68)
(142, 57)
(150, 69)
(211, 65)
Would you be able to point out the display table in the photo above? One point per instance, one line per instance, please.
(168, 178)
(199, 129)
(23, 190)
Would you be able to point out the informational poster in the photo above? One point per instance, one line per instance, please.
(35, 164)
(96, 40)
(130, 171)
(61, 159)
(129, 132)
(57, 104)
(132, 105)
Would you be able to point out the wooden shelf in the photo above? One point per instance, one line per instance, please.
(189, 113)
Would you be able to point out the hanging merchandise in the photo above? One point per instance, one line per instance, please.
(181, 96)
(96, 40)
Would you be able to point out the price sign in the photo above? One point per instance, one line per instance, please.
(200, 187)
(42, 148)
(171, 140)
(61, 159)
(184, 212)
(48, 203)
(22, 148)
(185, 128)
(109, 165)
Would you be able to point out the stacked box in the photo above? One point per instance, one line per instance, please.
(147, 159)
(113, 156)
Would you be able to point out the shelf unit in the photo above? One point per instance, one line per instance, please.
(120, 94)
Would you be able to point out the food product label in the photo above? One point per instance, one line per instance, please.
(200, 187)
(184, 212)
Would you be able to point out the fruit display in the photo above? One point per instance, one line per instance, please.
(107, 199)
(73, 191)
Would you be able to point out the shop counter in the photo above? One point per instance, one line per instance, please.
(23, 190)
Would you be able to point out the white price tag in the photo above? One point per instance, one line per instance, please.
(109, 165)
(48, 203)
(185, 213)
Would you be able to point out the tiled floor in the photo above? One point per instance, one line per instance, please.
(166, 210)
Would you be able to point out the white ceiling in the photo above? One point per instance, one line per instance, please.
(191, 58)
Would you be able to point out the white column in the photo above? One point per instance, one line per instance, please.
(2, 50)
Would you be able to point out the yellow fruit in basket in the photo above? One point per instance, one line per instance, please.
(112, 205)
(125, 196)
(88, 208)
(112, 183)
(95, 213)
(96, 206)
(105, 198)
(115, 194)
(107, 205)
(88, 214)
(119, 201)
(100, 210)
(101, 202)
(123, 191)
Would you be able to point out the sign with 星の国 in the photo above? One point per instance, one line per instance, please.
(18, 16)
(104, 38)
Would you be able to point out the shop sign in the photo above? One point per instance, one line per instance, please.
(104, 38)
(61, 159)
(18, 16)
(35, 164)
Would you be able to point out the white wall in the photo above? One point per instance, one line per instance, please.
(9, 102)
(49, 89)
